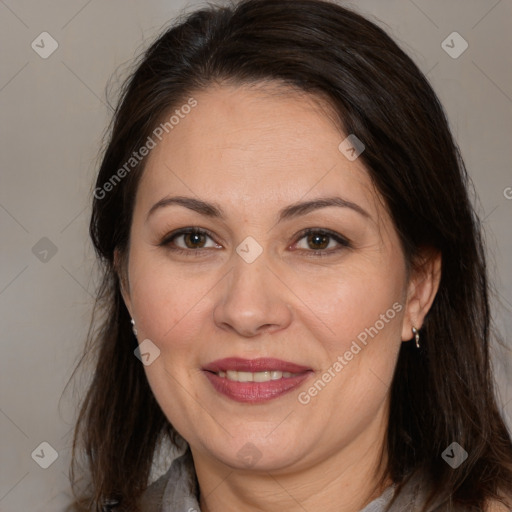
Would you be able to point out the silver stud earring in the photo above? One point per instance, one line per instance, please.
(133, 327)
(416, 336)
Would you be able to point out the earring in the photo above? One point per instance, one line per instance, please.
(133, 327)
(416, 336)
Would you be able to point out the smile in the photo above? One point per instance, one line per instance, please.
(255, 380)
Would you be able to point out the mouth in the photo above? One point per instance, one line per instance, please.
(255, 380)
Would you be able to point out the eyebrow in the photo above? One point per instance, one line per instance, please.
(294, 210)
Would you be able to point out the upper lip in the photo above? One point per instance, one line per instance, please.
(262, 364)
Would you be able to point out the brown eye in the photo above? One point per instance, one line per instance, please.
(194, 240)
(318, 241)
(189, 239)
(321, 242)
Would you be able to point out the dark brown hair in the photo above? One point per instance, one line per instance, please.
(441, 393)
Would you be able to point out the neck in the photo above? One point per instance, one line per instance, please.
(344, 481)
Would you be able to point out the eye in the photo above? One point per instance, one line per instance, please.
(189, 240)
(321, 242)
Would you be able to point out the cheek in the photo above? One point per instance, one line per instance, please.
(360, 353)
(361, 309)
(170, 309)
(359, 302)
(165, 300)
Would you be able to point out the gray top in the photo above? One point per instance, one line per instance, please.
(177, 491)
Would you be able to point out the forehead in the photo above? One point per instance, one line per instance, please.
(261, 145)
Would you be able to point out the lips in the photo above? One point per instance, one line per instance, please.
(255, 380)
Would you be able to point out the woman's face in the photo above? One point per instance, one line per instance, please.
(314, 320)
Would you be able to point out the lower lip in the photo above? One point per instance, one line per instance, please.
(255, 392)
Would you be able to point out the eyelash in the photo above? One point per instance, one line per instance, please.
(344, 243)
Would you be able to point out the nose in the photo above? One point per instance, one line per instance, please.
(252, 300)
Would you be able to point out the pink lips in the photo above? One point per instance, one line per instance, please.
(254, 392)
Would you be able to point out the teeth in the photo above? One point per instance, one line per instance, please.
(245, 377)
(261, 377)
(255, 376)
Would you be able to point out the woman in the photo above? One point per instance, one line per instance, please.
(295, 290)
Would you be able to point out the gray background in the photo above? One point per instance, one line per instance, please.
(54, 112)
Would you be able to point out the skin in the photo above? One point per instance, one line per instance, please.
(253, 150)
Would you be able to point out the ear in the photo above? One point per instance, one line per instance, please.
(422, 288)
(122, 274)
